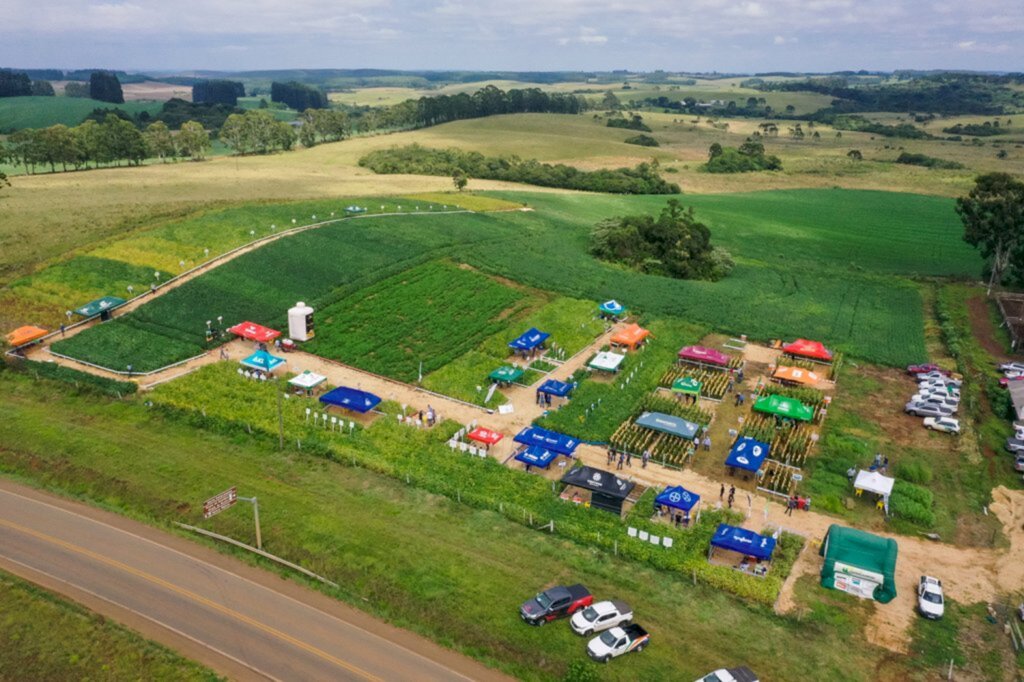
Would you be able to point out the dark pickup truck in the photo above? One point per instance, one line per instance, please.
(555, 602)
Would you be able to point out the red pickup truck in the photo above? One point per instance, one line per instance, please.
(555, 602)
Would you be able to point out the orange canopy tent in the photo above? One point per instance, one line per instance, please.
(23, 335)
(796, 375)
(631, 336)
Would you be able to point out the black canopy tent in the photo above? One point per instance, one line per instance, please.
(608, 491)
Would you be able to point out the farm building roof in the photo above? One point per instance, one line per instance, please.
(748, 454)
(796, 375)
(254, 332)
(808, 349)
(703, 355)
(853, 549)
(100, 305)
(666, 423)
(631, 336)
(784, 407)
(678, 497)
(350, 399)
(529, 339)
(23, 335)
(743, 541)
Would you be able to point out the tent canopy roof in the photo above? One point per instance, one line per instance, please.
(678, 497)
(874, 482)
(607, 361)
(666, 423)
(552, 440)
(743, 541)
(784, 407)
(254, 332)
(612, 307)
(556, 388)
(796, 375)
(537, 456)
(307, 379)
(93, 308)
(748, 454)
(630, 335)
(23, 335)
(506, 373)
(686, 385)
(263, 360)
(861, 550)
(350, 399)
(705, 355)
(482, 435)
(809, 349)
(599, 481)
(529, 339)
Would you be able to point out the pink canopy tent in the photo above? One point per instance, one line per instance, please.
(702, 355)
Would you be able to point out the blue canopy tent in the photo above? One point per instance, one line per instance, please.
(351, 399)
(748, 454)
(263, 361)
(537, 456)
(678, 497)
(556, 388)
(666, 423)
(611, 308)
(528, 340)
(743, 541)
(557, 442)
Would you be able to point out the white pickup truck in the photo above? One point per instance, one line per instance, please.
(930, 601)
(741, 674)
(600, 616)
(617, 641)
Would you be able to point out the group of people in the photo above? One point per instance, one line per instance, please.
(797, 502)
(732, 494)
(543, 399)
(680, 519)
(623, 458)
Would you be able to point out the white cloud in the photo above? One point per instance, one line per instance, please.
(966, 44)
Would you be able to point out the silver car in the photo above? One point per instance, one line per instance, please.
(927, 410)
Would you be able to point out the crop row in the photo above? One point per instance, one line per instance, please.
(790, 443)
(663, 447)
(776, 478)
(713, 383)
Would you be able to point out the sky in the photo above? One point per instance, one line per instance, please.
(735, 36)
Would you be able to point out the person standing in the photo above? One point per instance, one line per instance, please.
(629, 459)
(611, 456)
(645, 459)
(622, 459)
(732, 495)
(721, 492)
(707, 443)
(62, 328)
(790, 504)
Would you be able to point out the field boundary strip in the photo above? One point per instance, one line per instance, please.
(159, 289)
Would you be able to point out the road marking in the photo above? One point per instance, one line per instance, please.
(32, 570)
(235, 576)
(209, 603)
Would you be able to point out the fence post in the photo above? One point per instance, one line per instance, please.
(615, 547)
(458, 495)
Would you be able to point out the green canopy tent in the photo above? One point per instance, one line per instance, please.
(687, 386)
(781, 406)
(860, 563)
(506, 374)
(101, 306)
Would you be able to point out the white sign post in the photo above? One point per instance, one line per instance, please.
(228, 498)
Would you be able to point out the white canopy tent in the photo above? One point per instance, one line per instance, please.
(307, 380)
(874, 482)
(607, 361)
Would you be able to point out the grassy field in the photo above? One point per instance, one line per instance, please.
(807, 267)
(41, 112)
(455, 579)
(44, 637)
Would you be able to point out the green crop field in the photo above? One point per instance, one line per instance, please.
(44, 637)
(802, 268)
(430, 314)
(41, 112)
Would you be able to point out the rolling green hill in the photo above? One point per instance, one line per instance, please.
(39, 112)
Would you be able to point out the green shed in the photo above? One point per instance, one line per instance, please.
(859, 563)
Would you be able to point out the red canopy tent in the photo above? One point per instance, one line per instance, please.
(808, 349)
(254, 332)
(702, 355)
(482, 435)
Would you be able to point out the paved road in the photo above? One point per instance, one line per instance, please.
(237, 619)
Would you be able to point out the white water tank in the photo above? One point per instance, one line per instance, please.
(300, 322)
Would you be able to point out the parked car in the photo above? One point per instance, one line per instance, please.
(936, 399)
(946, 424)
(1005, 381)
(930, 601)
(600, 616)
(617, 641)
(927, 410)
(944, 391)
(1015, 445)
(938, 376)
(741, 674)
(925, 368)
(1017, 367)
(555, 602)
(1018, 462)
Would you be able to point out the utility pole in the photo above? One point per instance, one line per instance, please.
(280, 421)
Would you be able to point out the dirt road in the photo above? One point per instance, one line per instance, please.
(239, 620)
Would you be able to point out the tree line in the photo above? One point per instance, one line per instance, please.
(103, 85)
(216, 91)
(643, 179)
